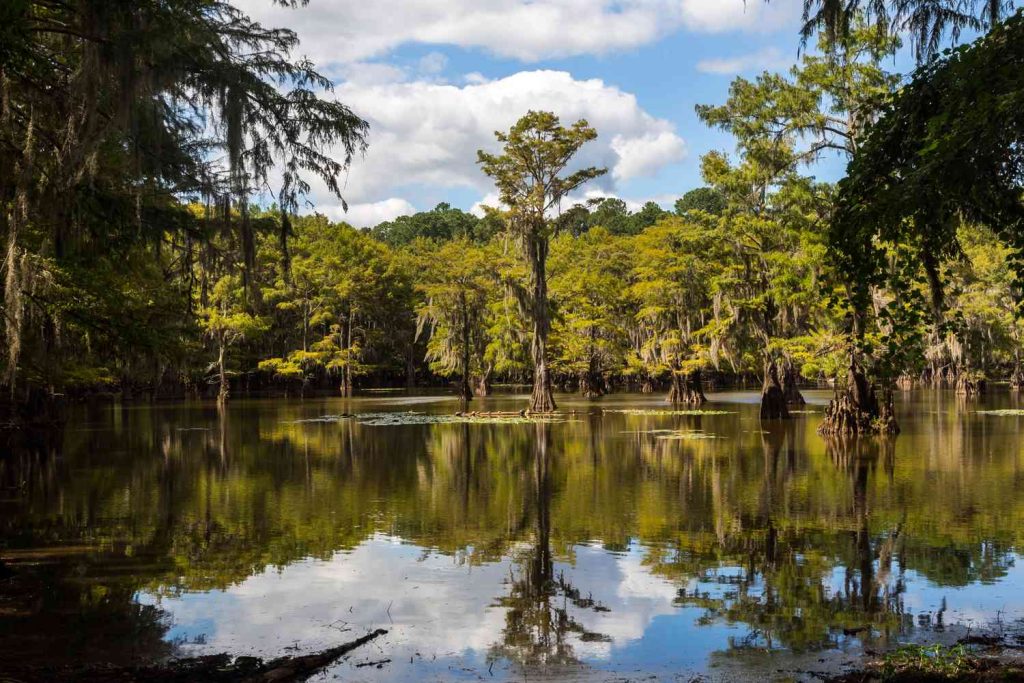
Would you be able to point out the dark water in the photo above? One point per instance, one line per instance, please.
(611, 544)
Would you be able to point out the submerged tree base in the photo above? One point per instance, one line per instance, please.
(773, 398)
(969, 387)
(592, 385)
(856, 410)
(790, 386)
(687, 390)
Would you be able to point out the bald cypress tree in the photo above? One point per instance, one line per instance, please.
(110, 114)
(529, 174)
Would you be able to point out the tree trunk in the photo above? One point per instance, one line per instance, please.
(687, 389)
(969, 386)
(588, 387)
(222, 394)
(773, 398)
(591, 382)
(1017, 378)
(346, 372)
(773, 403)
(465, 393)
(855, 409)
(410, 368)
(483, 385)
(790, 388)
(541, 400)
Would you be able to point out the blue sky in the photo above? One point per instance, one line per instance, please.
(435, 79)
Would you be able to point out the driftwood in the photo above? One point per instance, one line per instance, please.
(220, 668)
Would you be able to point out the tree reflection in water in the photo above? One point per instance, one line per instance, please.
(538, 618)
(797, 541)
(793, 586)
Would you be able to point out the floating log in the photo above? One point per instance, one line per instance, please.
(220, 668)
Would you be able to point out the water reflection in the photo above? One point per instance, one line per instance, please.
(611, 542)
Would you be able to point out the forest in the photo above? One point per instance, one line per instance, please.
(139, 263)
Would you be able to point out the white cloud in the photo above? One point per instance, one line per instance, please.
(644, 155)
(475, 78)
(768, 59)
(428, 133)
(717, 16)
(369, 214)
(339, 31)
(433, 63)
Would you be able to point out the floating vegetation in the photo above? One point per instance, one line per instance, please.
(676, 434)
(639, 411)
(411, 418)
(322, 418)
(1006, 412)
(684, 435)
(805, 412)
(398, 419)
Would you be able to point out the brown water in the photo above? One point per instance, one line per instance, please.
(607, 545)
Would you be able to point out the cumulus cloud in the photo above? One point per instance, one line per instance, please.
(340, 31)
(768, 59)
(428, 133)
(644, 155)
(368, 214)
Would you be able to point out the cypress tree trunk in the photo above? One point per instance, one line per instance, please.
(687, 388)
(465, 393)
(1017, 378)
(591, 382)
(346, 381)
(410, 368)
(968, 385)
(541, 400)
(483, 385)
(773, 398)
(222, 394)
(790, 388)
(856, 410)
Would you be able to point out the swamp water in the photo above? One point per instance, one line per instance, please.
(622, 541)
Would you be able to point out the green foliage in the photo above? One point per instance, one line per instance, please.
(929, 662)
(946, 149)
(926, 21)
(455, 287)
(110, 114)
(442, 223)
(528, 173)
(705, 199)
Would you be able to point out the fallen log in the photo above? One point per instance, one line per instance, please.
(220, 668)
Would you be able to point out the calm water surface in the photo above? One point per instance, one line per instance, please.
(608, 545)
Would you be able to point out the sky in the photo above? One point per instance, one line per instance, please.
(436, 78)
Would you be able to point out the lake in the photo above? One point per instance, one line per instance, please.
(620, 541)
